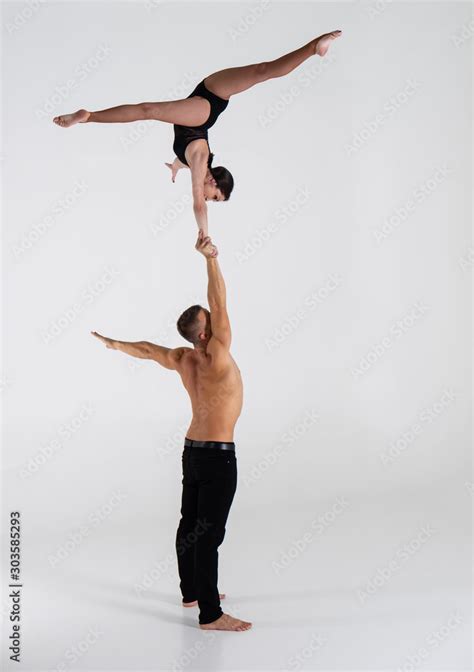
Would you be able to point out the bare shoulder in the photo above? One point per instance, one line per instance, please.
(178, 355)
(219, 355)
(197, 151)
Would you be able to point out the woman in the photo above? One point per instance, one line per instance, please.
(194, 115)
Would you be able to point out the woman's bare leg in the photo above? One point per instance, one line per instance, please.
(187, 112)
(226, 83)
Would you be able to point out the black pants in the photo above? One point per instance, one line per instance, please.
(209, 484)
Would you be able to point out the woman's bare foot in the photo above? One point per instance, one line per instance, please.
(226, 622)
(66, 120)
(321, 44)
(193, 604)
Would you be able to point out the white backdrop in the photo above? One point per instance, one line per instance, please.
(347, 252)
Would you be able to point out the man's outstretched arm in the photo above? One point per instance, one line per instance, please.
(167, 357)
(216, 293)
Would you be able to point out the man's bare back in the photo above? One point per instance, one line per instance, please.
(216, 396)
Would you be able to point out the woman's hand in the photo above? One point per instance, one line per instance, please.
(174, 167)
(205, 246)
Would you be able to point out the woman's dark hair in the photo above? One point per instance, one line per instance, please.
(222, 176)
(188, 325)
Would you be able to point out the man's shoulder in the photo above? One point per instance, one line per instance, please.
(179, 355)
(180, 351)
(220, 358)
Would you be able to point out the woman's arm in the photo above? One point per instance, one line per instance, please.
(198, 165)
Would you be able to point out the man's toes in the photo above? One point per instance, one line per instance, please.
(243, 625)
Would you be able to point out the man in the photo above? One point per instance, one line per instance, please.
(213, 382)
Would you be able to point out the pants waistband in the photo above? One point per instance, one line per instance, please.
(222, 445)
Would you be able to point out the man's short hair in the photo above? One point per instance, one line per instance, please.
(188, 323)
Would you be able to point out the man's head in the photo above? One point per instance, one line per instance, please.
(195, 325)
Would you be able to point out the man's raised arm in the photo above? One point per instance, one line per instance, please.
(216, 296)
(216, 293)
(167, 357)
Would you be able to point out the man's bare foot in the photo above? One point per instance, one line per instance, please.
(194, 602)
(321, 44)
(226, 622)
(66, 120)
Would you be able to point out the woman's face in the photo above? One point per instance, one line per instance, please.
(211, 190)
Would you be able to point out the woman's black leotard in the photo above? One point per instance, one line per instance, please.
(183, 135)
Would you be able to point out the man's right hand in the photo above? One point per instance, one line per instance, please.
(108, 342)
(205, 246)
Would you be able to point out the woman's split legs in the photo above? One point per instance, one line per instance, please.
(226, 83)
(187, 112)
